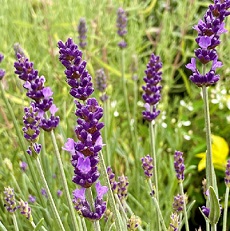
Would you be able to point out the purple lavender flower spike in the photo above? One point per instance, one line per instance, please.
(2, 72)
(123, 184)
(113, 182)
(83, 207)
(147, 165)
(59, 193)
(179, 165)
(122, 26)
(9, 200)
(25, 210)
(205, 210)
(32, 199)
(23, 166)
(82, 33)
(227, 174)
(178, 203)
(152, 91)
(37, 91)
(209, 30)
(77, 76)
(101, 84)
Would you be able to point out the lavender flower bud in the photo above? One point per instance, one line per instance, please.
(101, 84)
(25, 210)
(133, 223)
(23, 166)
(123, 184)
(83, 207)
(174, 222)
(32, 199)
(113, 183)
(2, 72)
(59, 193)
(18, 50)
(77, 76)
(227, 174)
(82, 33)
(178, 203)
(209, 30)
(147, 165)
(44, 193)
(152, 92)
(9, 200)
(205, 210)
(179, 165)
(121, 26)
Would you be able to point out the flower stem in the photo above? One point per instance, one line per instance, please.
(110, 194)
(3, 228)
(184, 206)
(89, 197)
(64, 181)
(155, 176)
(23, 146)
(156, 203)
(209, 164)
(225, 209)
(15, 222)
(53, 207)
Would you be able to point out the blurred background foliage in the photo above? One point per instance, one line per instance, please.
(160, 26)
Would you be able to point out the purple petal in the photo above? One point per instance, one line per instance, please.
(47, 92)
(83, 164)
(204, 42)
(101, 190)
(53, 109)
(79, 193)
(192, 66)
(69, 146)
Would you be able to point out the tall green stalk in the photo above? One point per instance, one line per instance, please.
(184, 206)
(15, 222)
(23, 146)
(64, 181)
(112, 202)
(50, 198)
(155, 175)
(225, 209)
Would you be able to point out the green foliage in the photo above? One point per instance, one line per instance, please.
(163, 27)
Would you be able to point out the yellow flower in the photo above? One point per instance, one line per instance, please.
(219, 154)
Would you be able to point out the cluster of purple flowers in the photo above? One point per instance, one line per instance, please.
(119, 187)
(179, 165)
(152, 91)
(178, 203)
(122, 26)
(227, 174)
(101, 84)
(82, 33)
(147, 165)
(85, 152)
(42, 102)
(209, 31)
(2, 72)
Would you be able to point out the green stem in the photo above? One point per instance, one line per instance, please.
(90, 199)
(207, 226)
(153, 151)
(64, 181)
(209, 164)
(110, 193)
(213, 227)
(156, 203)
(23, 146)
(15, 222)
(107, 125)
(53, 207)
(184, 206)
(3, 228)
(155, 175)
(225, 209)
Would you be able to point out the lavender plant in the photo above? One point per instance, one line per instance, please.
(209, 30)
